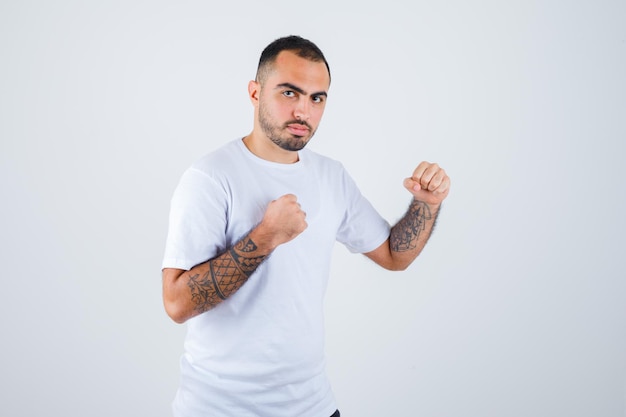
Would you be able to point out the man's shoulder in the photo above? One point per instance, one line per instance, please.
(219, 159)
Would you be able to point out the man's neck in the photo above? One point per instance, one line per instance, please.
(264, 148)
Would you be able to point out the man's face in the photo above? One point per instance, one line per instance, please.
(292, 100)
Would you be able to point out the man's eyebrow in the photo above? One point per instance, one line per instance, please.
(299, 90)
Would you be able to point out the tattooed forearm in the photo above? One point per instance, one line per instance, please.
(241, 254)
(225, 275)
(204, 292)
(405, 234)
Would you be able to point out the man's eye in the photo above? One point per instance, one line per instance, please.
(289, 94)
(317, 99)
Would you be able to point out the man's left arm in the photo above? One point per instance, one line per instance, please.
(429, 186)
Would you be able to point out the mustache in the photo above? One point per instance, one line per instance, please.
(298, 122)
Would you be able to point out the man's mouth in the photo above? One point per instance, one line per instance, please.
(298, 129)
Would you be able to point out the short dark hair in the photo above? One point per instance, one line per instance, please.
(300, 46)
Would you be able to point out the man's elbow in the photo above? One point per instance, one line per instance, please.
(397, 266)
(393, 264)
(389, 259)
(174, 305)
(175, 312)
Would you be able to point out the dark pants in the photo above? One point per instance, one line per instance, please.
(336, 414)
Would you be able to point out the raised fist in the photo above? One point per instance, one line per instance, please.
(429, 183)
(283, 220)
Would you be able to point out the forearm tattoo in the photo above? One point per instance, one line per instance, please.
(404, 235)
(241, 255)
(225, 275)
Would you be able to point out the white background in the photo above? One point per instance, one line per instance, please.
(516, 308)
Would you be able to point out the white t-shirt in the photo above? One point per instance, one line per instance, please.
(261, 352)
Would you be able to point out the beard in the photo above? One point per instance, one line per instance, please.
(279, 134)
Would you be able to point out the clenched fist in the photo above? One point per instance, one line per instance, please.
(429, 183)
(283, 220)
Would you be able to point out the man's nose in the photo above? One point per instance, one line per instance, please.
(302, 110)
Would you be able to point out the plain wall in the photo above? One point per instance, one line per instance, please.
(517, 307)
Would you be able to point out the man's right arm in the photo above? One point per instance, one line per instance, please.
(189, 293)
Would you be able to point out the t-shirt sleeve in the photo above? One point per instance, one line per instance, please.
(362, 229)
(197, 221)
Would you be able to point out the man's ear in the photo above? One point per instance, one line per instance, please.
(254, 90)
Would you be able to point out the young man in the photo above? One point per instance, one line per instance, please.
(252, 227)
